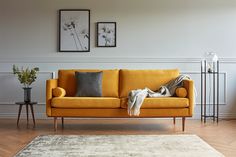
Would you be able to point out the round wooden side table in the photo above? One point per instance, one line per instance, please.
(27, 104)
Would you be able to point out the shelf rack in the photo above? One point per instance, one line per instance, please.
(213, 74)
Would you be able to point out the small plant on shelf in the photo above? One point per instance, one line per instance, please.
(26, 76)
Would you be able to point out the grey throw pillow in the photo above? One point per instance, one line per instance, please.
(89, 84)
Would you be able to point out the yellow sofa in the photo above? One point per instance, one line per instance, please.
(116, 85)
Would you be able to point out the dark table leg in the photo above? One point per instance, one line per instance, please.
(20, 107)
(32, 111)
(27, 113)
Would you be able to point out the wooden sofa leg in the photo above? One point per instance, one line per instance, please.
(62, 122)
(55, 123)
(183, 123)
(174, 120)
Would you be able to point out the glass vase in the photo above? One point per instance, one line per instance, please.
(27, 94)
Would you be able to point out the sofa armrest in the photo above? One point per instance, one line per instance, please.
(189, 86)
(50, 84)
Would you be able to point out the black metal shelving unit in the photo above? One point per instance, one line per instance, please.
(213, 74)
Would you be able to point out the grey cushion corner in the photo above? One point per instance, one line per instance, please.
(89, 84)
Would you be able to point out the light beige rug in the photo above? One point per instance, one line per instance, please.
(118, 146)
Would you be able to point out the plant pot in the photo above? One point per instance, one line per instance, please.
(27, 94)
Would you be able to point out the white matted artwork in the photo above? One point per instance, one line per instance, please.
(74, 30)
(106, 34)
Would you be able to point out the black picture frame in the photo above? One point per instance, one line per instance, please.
(103, 29)
(74, 30)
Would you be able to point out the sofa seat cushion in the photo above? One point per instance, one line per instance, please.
(85, 102)
(167, 102)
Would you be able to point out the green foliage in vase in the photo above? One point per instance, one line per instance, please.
(25, 76)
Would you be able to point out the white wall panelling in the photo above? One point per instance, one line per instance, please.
(196, 76)
(7, 79)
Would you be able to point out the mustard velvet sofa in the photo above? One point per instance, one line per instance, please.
(116, 85)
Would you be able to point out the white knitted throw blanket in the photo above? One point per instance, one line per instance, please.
(136, 97)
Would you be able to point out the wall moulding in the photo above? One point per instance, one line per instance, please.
(98, 60)
(108, 60)
(52, 73)
(224, 84)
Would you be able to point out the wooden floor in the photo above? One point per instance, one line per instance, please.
(221, 136)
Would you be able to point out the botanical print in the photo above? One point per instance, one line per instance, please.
(74, 31)
(106, 34)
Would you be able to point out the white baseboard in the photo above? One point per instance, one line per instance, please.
(23, 115)
(44, 116)
(221, 116)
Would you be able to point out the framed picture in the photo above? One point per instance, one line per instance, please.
(74, 30)
(106, 34)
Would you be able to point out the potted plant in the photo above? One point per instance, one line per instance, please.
(26, 77)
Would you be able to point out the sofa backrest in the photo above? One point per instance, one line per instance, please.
(139, 79)
(110, 82)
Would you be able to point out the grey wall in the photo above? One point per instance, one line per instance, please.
(152, 34)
